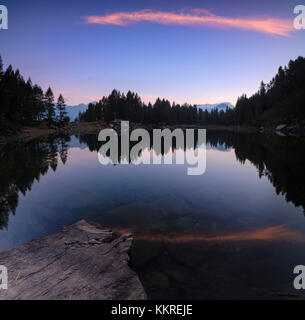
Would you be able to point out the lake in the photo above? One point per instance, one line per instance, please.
(237, 231)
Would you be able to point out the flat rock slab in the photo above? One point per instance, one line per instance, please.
(84, 261)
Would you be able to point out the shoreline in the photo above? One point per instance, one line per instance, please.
(28, 133)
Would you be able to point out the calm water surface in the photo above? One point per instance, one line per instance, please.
(235, 232)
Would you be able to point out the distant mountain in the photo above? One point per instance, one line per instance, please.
(74, 110)
(75, 143)
(219, 147)
(219, 106)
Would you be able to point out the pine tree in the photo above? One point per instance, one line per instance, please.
(1, 90)
(1, 67)
(61, 107)
(39, 106)
(49, 105)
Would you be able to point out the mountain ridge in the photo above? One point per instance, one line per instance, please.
(219, 106)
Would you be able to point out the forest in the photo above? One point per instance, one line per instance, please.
(282, 100)
(21, 102)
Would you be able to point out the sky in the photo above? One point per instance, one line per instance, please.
(193, 51)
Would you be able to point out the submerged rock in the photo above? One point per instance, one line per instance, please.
(84, 261)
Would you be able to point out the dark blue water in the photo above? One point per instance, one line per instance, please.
(235, 232)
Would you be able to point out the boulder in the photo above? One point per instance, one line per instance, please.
(83, 261)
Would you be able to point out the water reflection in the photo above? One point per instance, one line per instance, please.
(280, 159)
(22, 164)
(225, 234)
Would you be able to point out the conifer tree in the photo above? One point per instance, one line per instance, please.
(49, 104)
(1, 67)
(61, 107)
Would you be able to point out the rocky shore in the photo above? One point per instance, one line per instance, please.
(84, 261)
(29, 133)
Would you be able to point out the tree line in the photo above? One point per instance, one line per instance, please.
(280, 101)
(130, 107)
(23, 102)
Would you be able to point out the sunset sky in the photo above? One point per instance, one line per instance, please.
(187, 51)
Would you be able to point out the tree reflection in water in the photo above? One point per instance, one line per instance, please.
(280, 159)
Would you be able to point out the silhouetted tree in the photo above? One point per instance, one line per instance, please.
(49, 104)
(21, 101)
(61, 107)
(282, 100)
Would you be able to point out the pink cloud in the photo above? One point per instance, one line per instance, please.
(196, 17)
